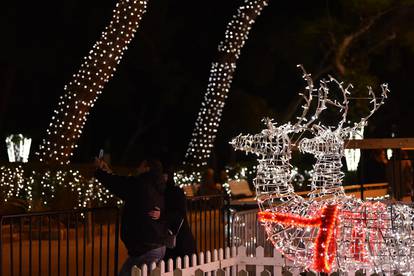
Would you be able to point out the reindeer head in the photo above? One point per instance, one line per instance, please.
(326, 142)
(276, 140)
(329, 141)
(273, 140)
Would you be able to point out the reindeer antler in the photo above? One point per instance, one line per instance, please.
(310, 88)
(376, 104)
(345, 103)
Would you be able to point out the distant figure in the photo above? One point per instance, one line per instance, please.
(407, 175)
(208, 185)
(376, 167)
(176, 214)
(143, 230)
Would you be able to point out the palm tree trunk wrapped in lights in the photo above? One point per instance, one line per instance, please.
(221, 75)
(81, 93)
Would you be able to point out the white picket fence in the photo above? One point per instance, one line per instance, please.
(231, 261)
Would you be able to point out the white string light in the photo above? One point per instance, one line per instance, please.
(81, 93)
(12, 183)
(221, 75)
(88, 191)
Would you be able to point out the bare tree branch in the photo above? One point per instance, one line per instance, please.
(349, 39)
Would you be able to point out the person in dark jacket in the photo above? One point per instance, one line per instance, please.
(176, 213)
(142, 230)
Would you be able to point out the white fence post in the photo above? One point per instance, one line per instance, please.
(170, 265)
(178, 263)
(144, 270)
(220, 254)
(186, 262)
(152, 266)
(234, 255)
(259, 254)
(162, 266)
(135, 271)
(208, 260)
(279, 262)
(194, 260)
(241, 255)
(227, 256)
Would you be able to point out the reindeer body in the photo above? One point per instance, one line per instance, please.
(273, 180)
(328, 149)
(274, 190)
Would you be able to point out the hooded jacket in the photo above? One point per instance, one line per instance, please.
(141, 194)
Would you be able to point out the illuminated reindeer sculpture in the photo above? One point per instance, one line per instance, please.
(327, 192)
(328, 145)
(369, 235)
(330, 230)
(274, 190)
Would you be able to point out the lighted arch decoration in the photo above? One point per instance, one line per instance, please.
(81, 93)
(329, 231)
(221, 75)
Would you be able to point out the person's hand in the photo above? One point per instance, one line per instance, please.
(102, 165)
(155, 213)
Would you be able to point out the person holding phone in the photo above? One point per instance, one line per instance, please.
(143, 227)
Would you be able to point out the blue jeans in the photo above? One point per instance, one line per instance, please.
(154, 255)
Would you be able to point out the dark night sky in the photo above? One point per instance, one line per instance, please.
(159, 84)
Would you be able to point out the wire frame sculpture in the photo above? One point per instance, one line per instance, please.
(329, 231)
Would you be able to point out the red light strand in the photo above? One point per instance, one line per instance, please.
(325, 242)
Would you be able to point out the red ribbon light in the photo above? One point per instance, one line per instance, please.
(325, 240)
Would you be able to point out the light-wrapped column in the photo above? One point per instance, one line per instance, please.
(221, 75)
(81, 93)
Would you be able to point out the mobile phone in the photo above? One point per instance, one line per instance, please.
(101, 154)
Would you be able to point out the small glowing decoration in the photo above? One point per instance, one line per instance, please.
(352, 156)
(12, 183)
(389, 154)
(81, 93)
(221, 75)
(182, 179)
(331, 231)
(16, 183)
(18, 148)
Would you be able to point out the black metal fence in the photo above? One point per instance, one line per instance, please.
(73, 242)
(208, 217)
(86, 242)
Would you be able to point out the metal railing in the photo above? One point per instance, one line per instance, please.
(73, 242)
(247, 231)
(208, 217)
